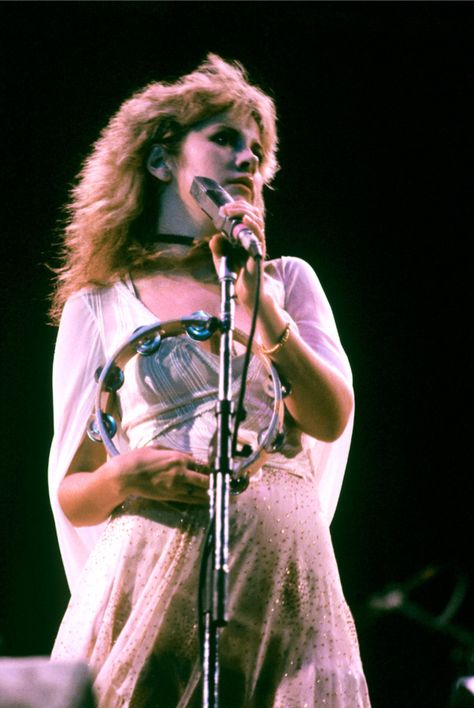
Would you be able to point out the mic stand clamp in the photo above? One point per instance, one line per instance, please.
(215, 612)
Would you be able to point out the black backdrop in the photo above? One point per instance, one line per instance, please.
(376, 139)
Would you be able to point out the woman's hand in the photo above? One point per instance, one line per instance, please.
(246, 267)
(94, 485)
(161, 474)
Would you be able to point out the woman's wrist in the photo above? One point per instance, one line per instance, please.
(280, 343)
(116, 480)
(273, 325)
(88, 497)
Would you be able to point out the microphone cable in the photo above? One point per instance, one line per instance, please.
(240, 412)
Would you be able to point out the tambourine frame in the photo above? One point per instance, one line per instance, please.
(145, 341)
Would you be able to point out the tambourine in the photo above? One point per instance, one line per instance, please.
(146, 341)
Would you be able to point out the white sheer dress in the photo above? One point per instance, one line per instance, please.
(291, 640)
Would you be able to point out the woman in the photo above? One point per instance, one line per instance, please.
(138, 248)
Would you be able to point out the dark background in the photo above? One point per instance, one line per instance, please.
(376, 139)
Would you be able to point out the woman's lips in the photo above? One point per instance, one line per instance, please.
(241, 182)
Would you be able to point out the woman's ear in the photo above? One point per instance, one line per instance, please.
(157, 164)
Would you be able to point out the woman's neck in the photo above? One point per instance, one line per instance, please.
(194, 260)
(176, 217)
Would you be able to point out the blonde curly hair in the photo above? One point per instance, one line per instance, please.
(111, 218)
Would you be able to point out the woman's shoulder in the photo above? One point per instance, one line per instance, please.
(289, 268)
(91, 294)
(93, 302)
(106, 314)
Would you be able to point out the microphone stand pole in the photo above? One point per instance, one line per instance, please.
(217, 569)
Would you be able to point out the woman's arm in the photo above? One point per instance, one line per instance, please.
(321, 399)
(84, 484)
(94, 486)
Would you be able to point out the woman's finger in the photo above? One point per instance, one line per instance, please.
(234, 209)
(196, 479)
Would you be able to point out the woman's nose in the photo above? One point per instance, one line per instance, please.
(247, 160)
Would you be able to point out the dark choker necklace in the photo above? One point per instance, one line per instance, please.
(176, 238)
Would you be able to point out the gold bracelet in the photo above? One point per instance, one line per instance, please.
(282, 340)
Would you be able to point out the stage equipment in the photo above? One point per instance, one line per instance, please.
(396, 598)
(38, 682)
(212, 594)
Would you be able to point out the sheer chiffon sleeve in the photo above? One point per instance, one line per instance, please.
(308, 306)
(78, 353)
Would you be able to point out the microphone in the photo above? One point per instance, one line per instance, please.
(211, 196)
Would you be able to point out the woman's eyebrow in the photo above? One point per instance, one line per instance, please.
(226, 126)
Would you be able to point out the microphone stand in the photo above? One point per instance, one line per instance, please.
(215, 613)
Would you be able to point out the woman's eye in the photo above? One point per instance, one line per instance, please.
(230, 138)
(222, 138)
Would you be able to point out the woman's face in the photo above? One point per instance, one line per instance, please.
(226, 148)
